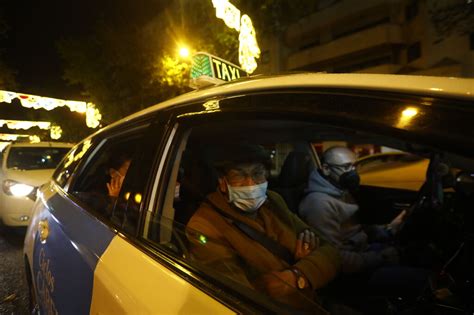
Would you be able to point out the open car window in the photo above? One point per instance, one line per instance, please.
(191, 177)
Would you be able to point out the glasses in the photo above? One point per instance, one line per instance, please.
(346, 167)
(258, 173)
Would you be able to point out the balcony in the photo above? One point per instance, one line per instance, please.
(381, 35)
(304, 30)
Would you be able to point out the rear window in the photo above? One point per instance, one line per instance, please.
(35, 158)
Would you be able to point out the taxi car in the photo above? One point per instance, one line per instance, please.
(25, 167)
(134, 256)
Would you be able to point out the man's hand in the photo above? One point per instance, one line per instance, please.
(279, 283)
(305, 244)
(114, 186)
(394, 226)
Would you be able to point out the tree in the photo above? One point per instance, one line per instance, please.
(124, 67)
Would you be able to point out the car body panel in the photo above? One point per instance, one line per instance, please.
(135, 291)
(113, 274)
(63, 264)
(421, 85)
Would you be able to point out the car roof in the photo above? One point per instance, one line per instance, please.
(42, 144)
(451, 87)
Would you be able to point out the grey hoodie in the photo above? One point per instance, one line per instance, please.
(330, 211)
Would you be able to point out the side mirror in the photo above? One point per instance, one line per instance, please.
(465, 183)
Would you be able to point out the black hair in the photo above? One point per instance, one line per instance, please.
(118, 158)
(226, 157)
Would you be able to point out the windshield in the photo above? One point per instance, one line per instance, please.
(31, 158)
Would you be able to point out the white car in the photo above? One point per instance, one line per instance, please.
(25, 167)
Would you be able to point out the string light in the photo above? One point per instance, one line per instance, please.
(25, 124)
(248, 46)
(93, 115)
(227, 12)
(55, 132)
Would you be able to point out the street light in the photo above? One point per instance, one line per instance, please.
(184, 52)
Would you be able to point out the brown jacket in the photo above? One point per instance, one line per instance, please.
(218, 243)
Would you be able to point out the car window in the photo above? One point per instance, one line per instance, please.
(188, 178)
(35, 158)
(100, 180)
(71, 160)
(192, 177)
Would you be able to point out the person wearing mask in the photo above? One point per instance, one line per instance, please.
(329, 207)
(242, 202)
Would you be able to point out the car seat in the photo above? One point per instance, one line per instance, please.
(293, 178)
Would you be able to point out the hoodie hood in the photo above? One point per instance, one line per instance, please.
(317, 183)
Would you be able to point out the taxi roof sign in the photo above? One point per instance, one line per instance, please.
(211, 70)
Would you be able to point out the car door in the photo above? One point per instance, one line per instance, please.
(72, 227)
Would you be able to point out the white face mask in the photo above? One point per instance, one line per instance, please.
(248, 198)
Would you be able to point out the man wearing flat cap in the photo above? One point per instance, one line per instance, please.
(289, 257)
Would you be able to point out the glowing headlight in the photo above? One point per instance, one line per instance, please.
(11, 187)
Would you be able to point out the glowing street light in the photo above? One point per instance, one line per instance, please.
(184, 52)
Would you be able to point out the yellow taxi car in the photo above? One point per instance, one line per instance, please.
(90, 252)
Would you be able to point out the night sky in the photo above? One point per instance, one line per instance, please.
(34, 26)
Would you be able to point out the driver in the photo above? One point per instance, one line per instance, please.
(330, 208)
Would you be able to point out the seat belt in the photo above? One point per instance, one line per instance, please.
(271, 245)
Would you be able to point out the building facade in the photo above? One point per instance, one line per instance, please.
(428, 37)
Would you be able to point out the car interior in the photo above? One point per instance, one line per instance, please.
(436, 234)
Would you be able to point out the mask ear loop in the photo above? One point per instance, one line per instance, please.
(228, 189)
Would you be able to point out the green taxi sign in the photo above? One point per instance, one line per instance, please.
(210, 70)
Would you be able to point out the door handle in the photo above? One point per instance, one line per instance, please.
(43, 229)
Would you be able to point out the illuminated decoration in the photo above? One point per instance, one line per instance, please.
(93, 115)
(11, 136)
(227, 12)
(406, 117)
(55, 132)
(210, 70)
(138, 198)
(24, 124)
(73, 156)
(248, 46)
(34, 139)
(211, 105)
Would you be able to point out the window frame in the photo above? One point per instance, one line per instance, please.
(182, 112)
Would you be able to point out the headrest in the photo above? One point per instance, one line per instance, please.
(295, 169)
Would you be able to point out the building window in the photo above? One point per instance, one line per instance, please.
(471, 41)
(414, 52)
(411, 11)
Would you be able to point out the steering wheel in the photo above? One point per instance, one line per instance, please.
(429, 196)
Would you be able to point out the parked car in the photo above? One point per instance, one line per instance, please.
(398, 170)
(87, 253)
(25, 167)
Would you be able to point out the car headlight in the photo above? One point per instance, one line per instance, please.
(13, 188)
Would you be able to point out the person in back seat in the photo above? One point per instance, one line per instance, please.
(242, 217)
